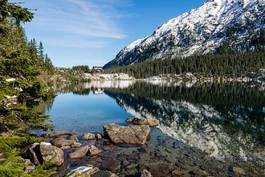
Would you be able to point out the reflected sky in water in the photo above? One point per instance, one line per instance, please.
(84, 113)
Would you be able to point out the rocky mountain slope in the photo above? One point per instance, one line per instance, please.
(203, 30)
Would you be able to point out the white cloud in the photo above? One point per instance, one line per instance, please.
(65, 22)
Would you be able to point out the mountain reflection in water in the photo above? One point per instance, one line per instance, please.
(225, 121)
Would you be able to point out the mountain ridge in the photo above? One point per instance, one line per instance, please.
(200, 31)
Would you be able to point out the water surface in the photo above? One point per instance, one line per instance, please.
(219, 126)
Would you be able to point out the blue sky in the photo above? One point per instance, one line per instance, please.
(92, 32)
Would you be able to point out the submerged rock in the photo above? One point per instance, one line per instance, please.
(143, 121)
(56, 134)
(136, 134)
(79, 153)
(51, 154)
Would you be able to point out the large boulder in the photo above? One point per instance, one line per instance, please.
(62, 142)
(79, 153)
(51, 154)
(150, 122)
(136, 134)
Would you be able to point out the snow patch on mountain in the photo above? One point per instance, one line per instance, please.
(199, 31)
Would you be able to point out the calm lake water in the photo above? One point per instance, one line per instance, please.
(217, 128)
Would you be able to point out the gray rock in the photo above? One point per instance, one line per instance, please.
(83, 171)
(62, 142)
(93, 150)
(137, 134)
(102, 173)
(89, 136)
(51, 154)
(29, 166)
(98, 136)
(73, 137)
(79, 153)
(76, 145)
(32, 153)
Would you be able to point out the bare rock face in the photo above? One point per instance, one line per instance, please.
(62, 142)
(136, 134)
(79, 153)
(149, 122)
(51, 154)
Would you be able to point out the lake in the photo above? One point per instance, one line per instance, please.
(206, 129)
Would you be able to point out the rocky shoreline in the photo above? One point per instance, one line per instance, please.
(138, 150)
(62, 148)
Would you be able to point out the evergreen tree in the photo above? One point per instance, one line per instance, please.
(41, 51)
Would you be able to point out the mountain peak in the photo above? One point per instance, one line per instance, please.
(199, 31)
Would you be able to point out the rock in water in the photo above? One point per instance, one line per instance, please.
(79, 153)
(89, 171)
(82, 171)
(89, 136)
(93, 150)
(136, 134)
(51, 154)
(143, 121)
(98, 136)
(61, 142)
(146, 173)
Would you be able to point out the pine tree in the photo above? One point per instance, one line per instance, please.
(41, 51)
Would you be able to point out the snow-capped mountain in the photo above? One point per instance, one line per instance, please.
(200, 31)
